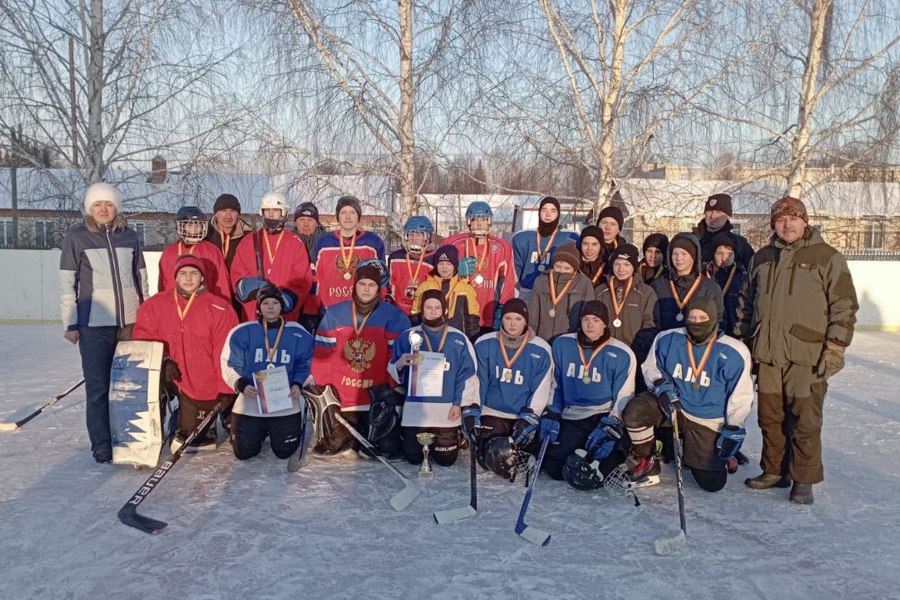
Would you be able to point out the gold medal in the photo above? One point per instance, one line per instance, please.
(695, 386)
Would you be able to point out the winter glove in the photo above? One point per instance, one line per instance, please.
(171, 372)
(471, 421)
(729, 441)
(831, 361)
(602, 441)
(525, 428)
(550, 426)
(466, 266)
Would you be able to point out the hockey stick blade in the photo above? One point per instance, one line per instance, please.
(536, 536)
(17, 424)
(128, 515)
(406, 496)
(666, 546)
(8, 426)
(298, 459)
(452, 515)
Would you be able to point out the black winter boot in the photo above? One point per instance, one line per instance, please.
(802, 493)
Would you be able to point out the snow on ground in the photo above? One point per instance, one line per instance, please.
(252, 530)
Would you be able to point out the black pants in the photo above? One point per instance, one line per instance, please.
(97, 346)
(572, 436)
(500, 427)
(444, 450)
(191, 412)
(249, 432)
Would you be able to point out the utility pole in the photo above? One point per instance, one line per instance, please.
(74, 117)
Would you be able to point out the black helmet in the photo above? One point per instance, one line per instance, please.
(501, 457)
(186, 219)
(580, 473)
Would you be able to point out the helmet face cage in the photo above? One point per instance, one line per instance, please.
(480, 224)
(416, 241)
(192, 231)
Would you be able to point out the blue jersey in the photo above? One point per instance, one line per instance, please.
(460, 384)
(610, 378)
(245, 353)
(724, 391)
(505, 391)
(530, 250)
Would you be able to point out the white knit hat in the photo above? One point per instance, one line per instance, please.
(98, 192)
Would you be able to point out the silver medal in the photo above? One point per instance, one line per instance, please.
(617, 323)
(347, 275)
(679, 317)
(586, 379)
(479, 279)
(542, 267)
(552, 312)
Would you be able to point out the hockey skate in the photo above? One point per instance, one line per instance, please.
(645, 472)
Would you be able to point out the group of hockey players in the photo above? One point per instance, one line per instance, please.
(574, 338)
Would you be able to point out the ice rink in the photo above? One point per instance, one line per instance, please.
(253, 530)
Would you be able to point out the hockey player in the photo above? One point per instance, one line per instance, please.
(227, 227)
(353, 347)
(258, 347)
(487, 261)
(192, 324)
(514, 386)
(436, 412)
(655, 249)
(592, 256)
(285, 263)
(593, 376)
(309, 230)
(533, 250)
(630, 302)
(192, 228)
(729, 275)
(684, 281)
(409, 266)
(611, 222)
(459, 295)
(339, 252)
(555, 304)
(704, 375)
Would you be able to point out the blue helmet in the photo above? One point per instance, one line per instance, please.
(417, 224)
(479, 208)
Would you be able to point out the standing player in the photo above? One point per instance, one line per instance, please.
(593, 376)
(486, 260)
(653, 264)
(409, 266)
(533, 250)
(555, 304)
(285, 263)
(729, 275)
(514, 386)
(611, 222)
(353, 347)
(459, 295)
(437, 413)
(590, 246)
(309, 230)
(227, 227)
(339, 252)
(192, 228)
(260, 345)
(192, 324)
(685, 281)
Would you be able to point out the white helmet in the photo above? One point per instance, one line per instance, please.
(274, 200)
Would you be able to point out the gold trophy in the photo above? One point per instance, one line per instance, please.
(426, 439)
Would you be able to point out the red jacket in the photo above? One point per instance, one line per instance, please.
(495, 260)
(285, 263)
(215, 273)
(196, 343)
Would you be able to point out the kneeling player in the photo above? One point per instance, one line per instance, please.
(705, 374)
(426, 411)
(514, 386)
(594, 377)
(259, 346)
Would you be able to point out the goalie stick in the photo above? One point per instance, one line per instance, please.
(534, 535)
(51, 402)
(671, 545)
(128, 514)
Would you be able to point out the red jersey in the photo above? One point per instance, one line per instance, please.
(215, 278)
(493, 259)
(406, 276)
(285, 263)
(336, 260)
(194, 341)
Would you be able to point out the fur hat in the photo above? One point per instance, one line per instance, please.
(788, 206)
(98, 192)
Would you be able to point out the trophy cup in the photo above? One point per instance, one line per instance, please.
(415, 342)
(426, 439)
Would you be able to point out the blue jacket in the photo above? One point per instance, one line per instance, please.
(612, 379)
(526, 385)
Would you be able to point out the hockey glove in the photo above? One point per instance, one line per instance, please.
(525, 428)
(471, 421)
(602, 441)
(550, 426)
(729, 441)
(667, 402)
(663, 386)
(466, 266)
(831, 361)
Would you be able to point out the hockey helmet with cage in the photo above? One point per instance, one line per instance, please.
(582, 473)
(479, 217)
(274, 200)
(417, 224)
(501, 457)
(191, 224)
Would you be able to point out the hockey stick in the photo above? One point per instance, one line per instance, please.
(296, 460)
(670, 545)
(452, 515)
(498, 293)
(404, 497)
(534, 535)
(128, 514)
(54, 400)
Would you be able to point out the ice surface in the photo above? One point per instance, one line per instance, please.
(253, 530)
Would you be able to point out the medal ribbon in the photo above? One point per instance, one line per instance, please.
(598, 274)
(730, 279)
(357, 329)
(697, 369)
(413, 279)
(481, 260)
(269, 247)
(443, 339)
(183, 313)
(346, 259)
(543, 253)
(226, 244)
(509, 363)
(617, 308)
(678, 301)
(190, 249)
(553, 297)
(272, 351)
(587, 363)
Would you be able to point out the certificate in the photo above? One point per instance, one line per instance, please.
(274, 390)
(426, 375)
